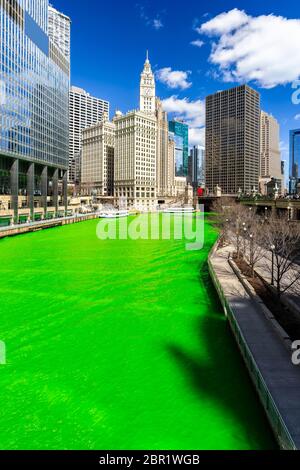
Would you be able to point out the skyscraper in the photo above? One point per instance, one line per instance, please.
(147, 89)
(135, 159)
(197, 167)
(270, 155)
(232, 140)
(181, 139)
(59, 29)
(165, 163)
(85, 111)
(97, 161)
(34, 88)
(294, 160)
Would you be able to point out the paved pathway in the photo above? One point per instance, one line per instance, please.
(273, 359)
(264, 269)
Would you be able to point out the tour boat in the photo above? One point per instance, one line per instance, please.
(113, 214)
(179, 210)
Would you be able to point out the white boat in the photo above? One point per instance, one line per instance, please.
(179, 210)
(113, 214)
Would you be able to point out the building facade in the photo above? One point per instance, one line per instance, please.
(34, 96)
(85, 111)
(170, 179)
(180, 132)
(196, 176)
(135, 159)
(232, 140)
(59, 29)
(165, 154)
(270, 155)
(97, 160)
(294, 161)
(147, 89)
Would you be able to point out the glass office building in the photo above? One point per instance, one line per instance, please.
(196, 171)
(294, 160)
(181, 139)
(34, 110)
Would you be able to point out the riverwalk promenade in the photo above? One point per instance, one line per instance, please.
(13, 230)
(267, 355)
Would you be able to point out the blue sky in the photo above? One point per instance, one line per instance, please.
(109, 41)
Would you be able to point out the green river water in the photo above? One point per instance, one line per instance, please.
(118, 344)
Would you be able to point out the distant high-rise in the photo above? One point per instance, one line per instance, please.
(59, 29)
(85, 111)
(270, 155)
(165, 166)
(97, 160)
(294, 160)
(181, 139)
(196, 176)
(232, 146)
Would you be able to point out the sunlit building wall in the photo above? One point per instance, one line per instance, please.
(34, 98)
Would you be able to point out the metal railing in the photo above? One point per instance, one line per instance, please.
(276, 421)
(44, 222)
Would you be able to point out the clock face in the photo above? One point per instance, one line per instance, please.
(147, 91)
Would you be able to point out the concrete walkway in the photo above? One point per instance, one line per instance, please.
(19, 229)
(276, 379)
(264, 269)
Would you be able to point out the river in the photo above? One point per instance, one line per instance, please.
(119, 344)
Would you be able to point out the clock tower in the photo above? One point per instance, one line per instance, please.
(147, 89)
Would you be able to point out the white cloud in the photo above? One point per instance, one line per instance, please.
(157, 23)
(191, 112)
(197, 136)
(197, 43)
(297, 117)
(174, 78)
(224, 23)
(264, 49)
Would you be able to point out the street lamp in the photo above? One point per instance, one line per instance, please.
(272, 278)
(245, 230)
(251, 252)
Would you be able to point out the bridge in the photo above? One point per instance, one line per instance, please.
(275, 206)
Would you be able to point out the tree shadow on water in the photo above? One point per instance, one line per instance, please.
(220, 375)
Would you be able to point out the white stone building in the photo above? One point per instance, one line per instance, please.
(85, 111)
(165, 166)
(147, 89)
(97, 159)
(59, 30)
(270, 155)
(135, 159)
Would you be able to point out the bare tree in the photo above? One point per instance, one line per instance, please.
(282, 240)
(239, 220)
(254, 238)
(225, 210)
